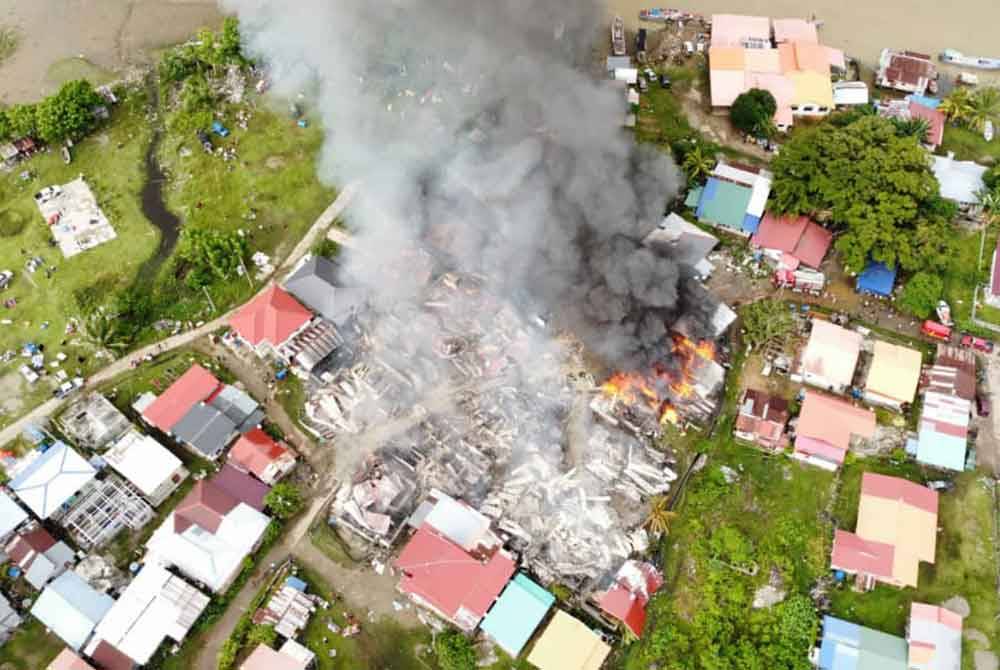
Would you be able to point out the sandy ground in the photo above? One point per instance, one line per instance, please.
(863, 28)
(110, 34)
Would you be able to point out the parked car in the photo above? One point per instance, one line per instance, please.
(983, 404)
(977, 343)
(5, 277)
(940, 485)
(664, 81)
(643, 85)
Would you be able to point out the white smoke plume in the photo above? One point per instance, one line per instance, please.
(477, 125)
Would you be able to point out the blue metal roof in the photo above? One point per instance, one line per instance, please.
(930, 103)
(940, 449)
(297, 584)
(877, 279)
(517, 613)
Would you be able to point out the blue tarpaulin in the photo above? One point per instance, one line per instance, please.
(296, 584)
(877, 279)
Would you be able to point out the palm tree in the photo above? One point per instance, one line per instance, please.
(956, 106)
(984, 106)
(660, 516)
(913, 127)
(989, 201)
(104, 333)
(698, 164)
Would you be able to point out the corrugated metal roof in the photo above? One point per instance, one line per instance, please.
(567, 644)
(894, 372)
(71, 608)
(51, 479)
(517, 613)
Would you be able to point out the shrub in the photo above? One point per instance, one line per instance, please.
(921, 294)
(12, 223)
(454, 651)
(752, 112)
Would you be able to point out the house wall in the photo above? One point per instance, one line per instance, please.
(815, 460)
(822, 382)
(873, 398)
(168, 486)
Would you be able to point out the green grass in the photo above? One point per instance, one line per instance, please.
(111, 161)
(275, 175)
(384, 644)
(325, 539)
(292, 397)
(965, 273)
(30, 648)
(965, 561)
(967, 144)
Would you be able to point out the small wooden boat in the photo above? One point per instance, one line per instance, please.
(618, 36)
(955, 57)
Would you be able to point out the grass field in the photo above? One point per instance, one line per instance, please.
(968, 145)
(30, 648)
(111, 161)
(965, 562)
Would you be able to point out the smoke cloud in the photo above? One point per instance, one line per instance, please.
(480, 134)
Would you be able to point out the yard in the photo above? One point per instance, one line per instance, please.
(30, 648)
(965, 564)
(111, 160)
(968, 145)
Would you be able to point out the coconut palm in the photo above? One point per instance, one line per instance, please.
(660, 516)
(914, 127)
(104, 333)
(957, 105)
(984, 106)
(989, 201)
(698, 164)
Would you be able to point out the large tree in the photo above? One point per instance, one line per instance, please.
(752, 112)
(921, 294)
(69, 114)
(874, 186)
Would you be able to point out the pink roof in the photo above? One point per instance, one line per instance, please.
(795, 30)
(833, 420)
(273, 316)
(254, 451)
(935, 134)
(444, 575)
(68, 660)
(935, 614)
(205, 506)
(808, 446)
(894, 488)
(192, 387)
(731, 29)
(852, 553)
(781, 233)
(836, 57)
(813, 245)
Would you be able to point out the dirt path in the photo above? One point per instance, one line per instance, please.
(123, 364)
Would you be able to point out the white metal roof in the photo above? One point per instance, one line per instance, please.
(143, 461)
(156, 605)
(51, 479)
(210, 558)
(71, 608)
(850, 93)
(12, 515)
(960, 180)
(459, 523)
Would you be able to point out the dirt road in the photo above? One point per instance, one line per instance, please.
(123, 364)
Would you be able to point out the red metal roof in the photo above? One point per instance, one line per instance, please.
(35, 542)
(852, 553)
(192, 387)
(794, 235)
(254, 451)
(205, 506)
(894, 488)
(627, 607)
(935, 134)
(272, 317)
(108, 657)
(241, 486)
(444, 575)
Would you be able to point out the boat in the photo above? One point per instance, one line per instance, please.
(663, 15)
(944, 313)
(955, 57)
(988, 131)
(618, 36)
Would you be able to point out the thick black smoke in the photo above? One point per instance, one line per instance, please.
(479, 133)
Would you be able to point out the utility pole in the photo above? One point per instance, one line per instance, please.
(209, 298)
(245, 273)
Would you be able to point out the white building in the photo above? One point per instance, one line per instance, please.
(150, 466)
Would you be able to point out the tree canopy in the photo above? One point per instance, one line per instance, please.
(765, 321)
(873, 185)
(921, 294)
(284, 500)
(212, 254)
(69, 113)
(752, 112)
